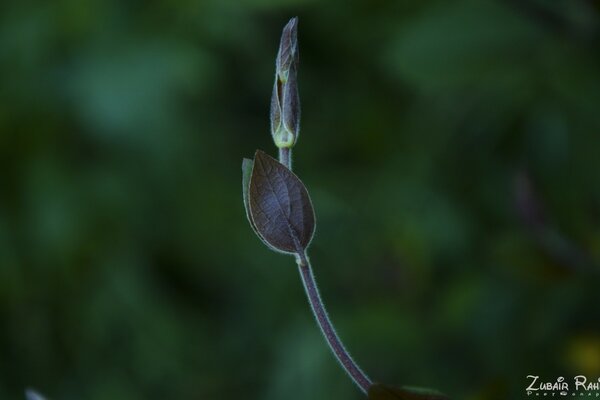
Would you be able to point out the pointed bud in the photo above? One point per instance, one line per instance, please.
(288, 49)
(285, 100)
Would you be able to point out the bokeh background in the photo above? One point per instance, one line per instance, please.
(451, 150)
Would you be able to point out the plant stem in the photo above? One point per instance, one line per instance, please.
(318, 308)
(333, 340)
(285, 157)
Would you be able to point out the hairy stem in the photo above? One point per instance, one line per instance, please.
(318, 308)
(333, 340)
(285, 157)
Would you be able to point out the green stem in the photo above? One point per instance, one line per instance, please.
(331, 337)
(285, 157)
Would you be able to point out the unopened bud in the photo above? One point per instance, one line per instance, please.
(288, 49)
(285, 100)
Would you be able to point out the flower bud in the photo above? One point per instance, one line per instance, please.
(285, 100)
(288, 49)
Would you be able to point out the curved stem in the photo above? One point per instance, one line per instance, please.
(333, 340)
(318, 308)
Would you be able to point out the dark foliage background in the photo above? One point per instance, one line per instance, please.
(451, 150)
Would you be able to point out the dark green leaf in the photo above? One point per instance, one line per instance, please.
(379, 391)
(279, 206)
(247, 166)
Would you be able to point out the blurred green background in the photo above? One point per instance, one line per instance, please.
(451, 150)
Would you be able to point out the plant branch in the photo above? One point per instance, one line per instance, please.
(285, 117)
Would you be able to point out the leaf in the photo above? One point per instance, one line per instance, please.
(280, 209)
(31, 394)
(247, 166)
(379, 391)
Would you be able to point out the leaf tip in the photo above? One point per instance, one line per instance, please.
(31, 394)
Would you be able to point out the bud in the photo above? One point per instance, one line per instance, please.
(285, 100)
(288, 49)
